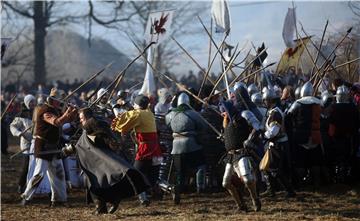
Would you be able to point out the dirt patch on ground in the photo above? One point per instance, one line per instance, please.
(336, 202)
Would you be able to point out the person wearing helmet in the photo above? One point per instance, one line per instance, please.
(239, 158)
(343, 131)
(277, 143)
(187, 151)
(303, 124)
(148, 156)
(252, 89)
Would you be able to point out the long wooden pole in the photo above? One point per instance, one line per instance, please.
(321, 42)
(7, 107)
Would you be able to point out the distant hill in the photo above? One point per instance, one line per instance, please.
(69, 56)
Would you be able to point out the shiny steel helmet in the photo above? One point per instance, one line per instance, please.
(342, 94)
(238, 85)
(269, 94)
(183, 99)
(252, 89)
(257, 99)
(326, 98)
(307, 89)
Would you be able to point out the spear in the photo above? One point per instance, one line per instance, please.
(333, 51)
(244, 78)
(7, 107)
(121, 73)
(222, 75)
(195, 62)
(90, 79)
(213, 41)
(321, 42)
(247, 66)
(209, 67)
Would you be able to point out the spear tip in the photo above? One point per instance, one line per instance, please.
(349, 30)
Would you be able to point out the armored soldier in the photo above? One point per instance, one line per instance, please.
(304, 129)
(343, 132)
(241, 128)
(277, 145)
(187, 151)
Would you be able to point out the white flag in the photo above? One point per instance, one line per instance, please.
(221, 15)
(148, 88)
(289, 28)
(158, 26)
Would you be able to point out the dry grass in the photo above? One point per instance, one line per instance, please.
(333, 203)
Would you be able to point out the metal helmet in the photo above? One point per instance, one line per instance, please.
(183, 99)
(252, 89)
(307, 89)
(269, 94)
(326, 98)
(278, 91)
(257, 99)
(297, 93)
(342, 94)
(238, 85)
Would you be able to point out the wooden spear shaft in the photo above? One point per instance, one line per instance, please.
(321, 42)
(7, 107)
(209, 68)
(90, 79)
(191, 57)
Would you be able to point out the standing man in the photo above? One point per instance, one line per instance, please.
(148, 156)
(186, 125)
(19, 127)
(48, 123)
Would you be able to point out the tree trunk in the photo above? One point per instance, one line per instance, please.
(39, 42)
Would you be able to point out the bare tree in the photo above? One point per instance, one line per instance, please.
(47, 14)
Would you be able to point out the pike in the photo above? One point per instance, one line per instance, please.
(95, 91)
(338, 44)
(317, 85)
(89, 80)
(212, 40)
(209, 67)
(247, 66)
(321, 42)
(222, 75)
(7, 107)
(244, 78)
(120, 74)
(145, 58)
(195, 62)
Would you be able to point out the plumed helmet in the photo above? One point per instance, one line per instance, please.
(269, 94)
(342, 94)
(307, 89)
(183, 99)
(252, 89)
(297, 92)
(100, 92)
(27, 99)
(257, 99)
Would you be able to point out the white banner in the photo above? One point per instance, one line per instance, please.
(148, 88)
(221, 15)
(289, 28)
(158, 26)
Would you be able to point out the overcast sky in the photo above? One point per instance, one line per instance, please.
(258, 22)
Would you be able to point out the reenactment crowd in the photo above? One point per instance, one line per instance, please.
(279, 137)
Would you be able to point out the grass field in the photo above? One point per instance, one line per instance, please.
(336, 202)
